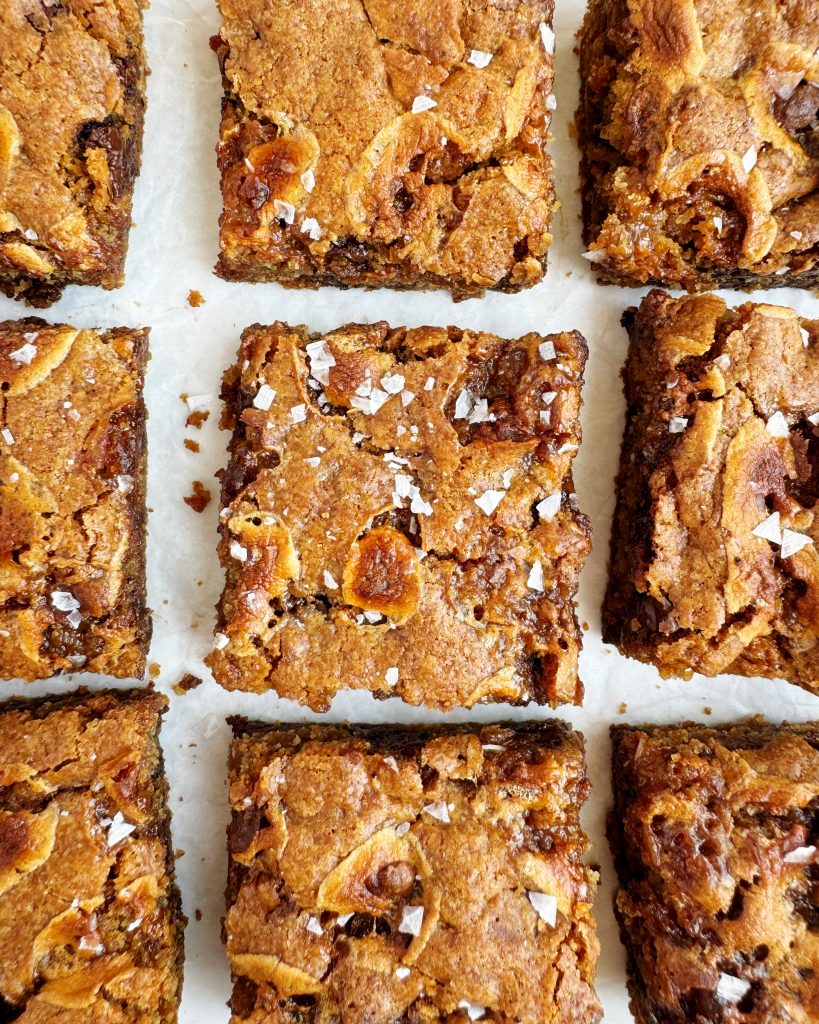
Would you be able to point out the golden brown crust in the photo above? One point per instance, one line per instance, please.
(90, 919)
(713, 561)
(714, 833)
(341, 836)
(329, 177)
(72, 500)
(697, 123)
(72, 102)
(379, 527)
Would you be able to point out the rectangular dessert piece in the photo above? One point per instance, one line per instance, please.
(714, 834)
(713, 562)
(700, 151)
(72, 500)
(381, 874)
(367, 142)
(90, 919)
(72, 102)
(399, 516)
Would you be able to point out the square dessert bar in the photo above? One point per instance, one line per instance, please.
(387, 874)
(368, 142)
(72, 103)
(399, 516)
(714, 834)
(72, 500)
(90, 919)
(698, 129)
(714, 564)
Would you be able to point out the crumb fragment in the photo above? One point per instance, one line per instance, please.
(192, 446)
(154, 669)
(200, 498)
(195, 298)
(197, 418)
(186, 683)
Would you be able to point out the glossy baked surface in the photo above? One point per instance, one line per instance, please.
(72, 500)
(394, 874)
(714, 834)
(365, 142)
(698, 125)
(72, 103)
(90, 920)
(714, 566)
(398, 515)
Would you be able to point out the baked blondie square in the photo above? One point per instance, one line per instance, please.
(72, 103)
(399, 516)
(366, 142)
(700, 149)
(90, 919)
(385, 874)
(713, 562)
(72, 500)
(714, 833)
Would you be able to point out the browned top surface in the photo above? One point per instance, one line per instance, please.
(72, 501)
(356, 550)
(719, 439)
(716, 834)
(702, 132)
(336, 837)
(88, 928)
(325, 88)
(65, 68)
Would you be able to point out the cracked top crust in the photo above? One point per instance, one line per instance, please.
(715, 836)
(698, 122)
(714, 566)
(329, 176)
(410, 875)
(90, 928)
(72, 82)
(399, 516)
(72, 500)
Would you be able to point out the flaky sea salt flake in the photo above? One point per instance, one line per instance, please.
(769, 529)
(313, 926)
(321, 360)
(329, 581)
(422, 103)
(793, 542)
(801, 855)
(473, 1010)
(545, 906)
(284, 211)
(777, 426)
(489, 501)
(549, 507)
(412, 920)
(546, 351)
(749, 159)
(402, 972)
(463, 405)
(548, 38)
(7, 435)
(731, 989)
(311, 227)
(391, 676)
(535, 580)
(479, 58)
(24, 354)
(119, 829)
(439, 811)
(264, 397)
(677, 424)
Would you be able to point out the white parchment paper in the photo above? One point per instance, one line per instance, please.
(173, 248)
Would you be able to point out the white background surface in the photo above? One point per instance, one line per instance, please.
(173, 248)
